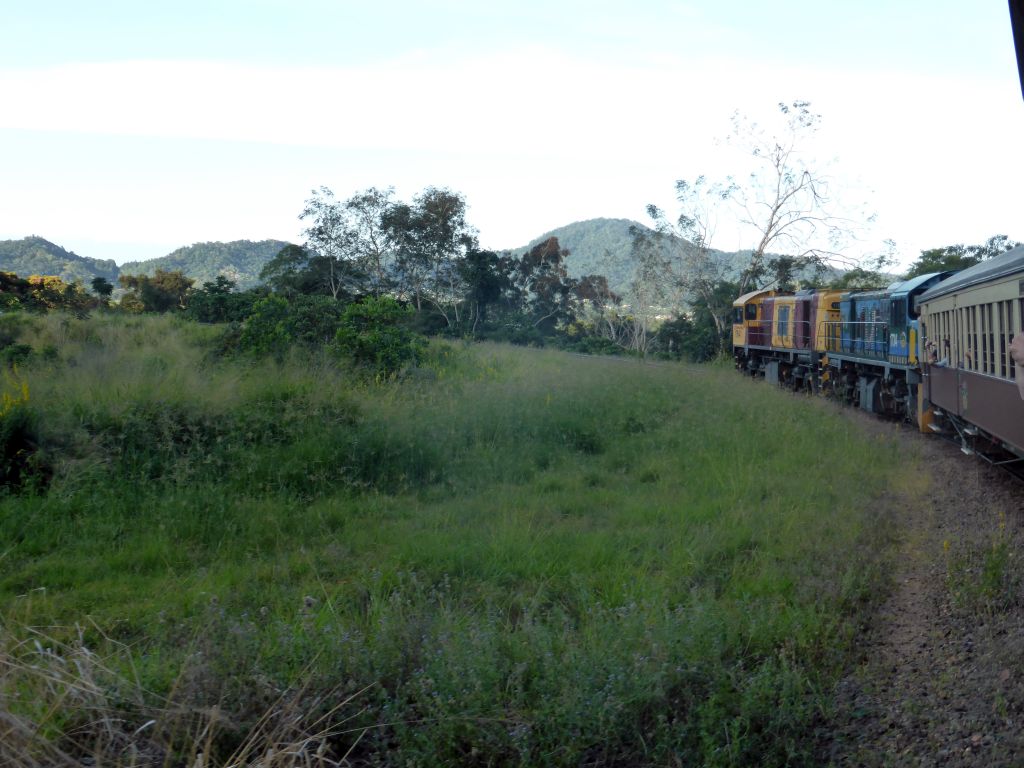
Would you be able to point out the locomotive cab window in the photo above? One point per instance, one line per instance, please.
(751, 311)
(783, 321)
(898, 312)
(737, 314)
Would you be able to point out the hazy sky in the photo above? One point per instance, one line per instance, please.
(128, 129)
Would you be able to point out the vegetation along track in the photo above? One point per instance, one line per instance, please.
(938, 681)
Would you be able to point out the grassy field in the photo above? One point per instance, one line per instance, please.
(510, 557)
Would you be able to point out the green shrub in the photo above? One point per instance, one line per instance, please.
(15, 354)
(266, 331)
(19, 439)
(217, 302)
(375, 335)
(314, 320)
(276, 323)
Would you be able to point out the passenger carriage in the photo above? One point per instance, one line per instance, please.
(968, 322)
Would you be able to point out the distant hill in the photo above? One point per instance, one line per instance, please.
(35, 256)
(239, 260)
(596, 247)
(604, 247)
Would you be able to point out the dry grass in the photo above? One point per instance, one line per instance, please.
(62, 704)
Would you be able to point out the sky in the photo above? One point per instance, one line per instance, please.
(129, 129)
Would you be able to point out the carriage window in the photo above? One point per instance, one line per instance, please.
(1002, 334)
(990, 358)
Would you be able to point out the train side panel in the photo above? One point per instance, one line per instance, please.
(967, 326)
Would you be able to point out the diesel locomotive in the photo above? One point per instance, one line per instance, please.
(933, 350)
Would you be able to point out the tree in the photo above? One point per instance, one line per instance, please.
(784, 205)
(430, 240)
(545, 287)
(42, 293)
(266, 330)
(871, 273)
(785, 201)
(486, 281)
(368, 242)
(957, 257)
(102, 288)
(162, 292)
(291, 273)
(172, 287)
(693, 271)
(330, 240)
(218, 302)
(649, 288)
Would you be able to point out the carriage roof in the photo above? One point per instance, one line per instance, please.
(1003, 265)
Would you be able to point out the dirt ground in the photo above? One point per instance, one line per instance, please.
(940, 681)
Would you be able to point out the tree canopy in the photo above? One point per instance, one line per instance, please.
(959, 256)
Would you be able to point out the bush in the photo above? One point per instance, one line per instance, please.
(217, 302)
(266, 330)
(314, 319)
(19, 442)
(276, 323)
(15, 354)
(375, 335)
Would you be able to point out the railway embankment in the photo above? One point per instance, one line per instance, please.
(939, 677)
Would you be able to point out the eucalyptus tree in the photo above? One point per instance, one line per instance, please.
(786, 200)
(431, 238)
(329, 244)
(368, 243)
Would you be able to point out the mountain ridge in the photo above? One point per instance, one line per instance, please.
(600, 246)
(35, 255)
(239, 260)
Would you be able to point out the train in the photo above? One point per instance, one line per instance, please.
(934, 350)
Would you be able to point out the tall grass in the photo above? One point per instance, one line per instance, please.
(510, 557)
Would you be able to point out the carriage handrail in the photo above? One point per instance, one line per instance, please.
(873, 341)
(841, 336)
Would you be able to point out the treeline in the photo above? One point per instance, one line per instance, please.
(373, 266)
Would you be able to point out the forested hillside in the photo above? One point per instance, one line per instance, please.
(239, 261)
(36, 256)
(597, 247)
(604, 247)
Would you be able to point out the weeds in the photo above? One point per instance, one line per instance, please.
(981, 579)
